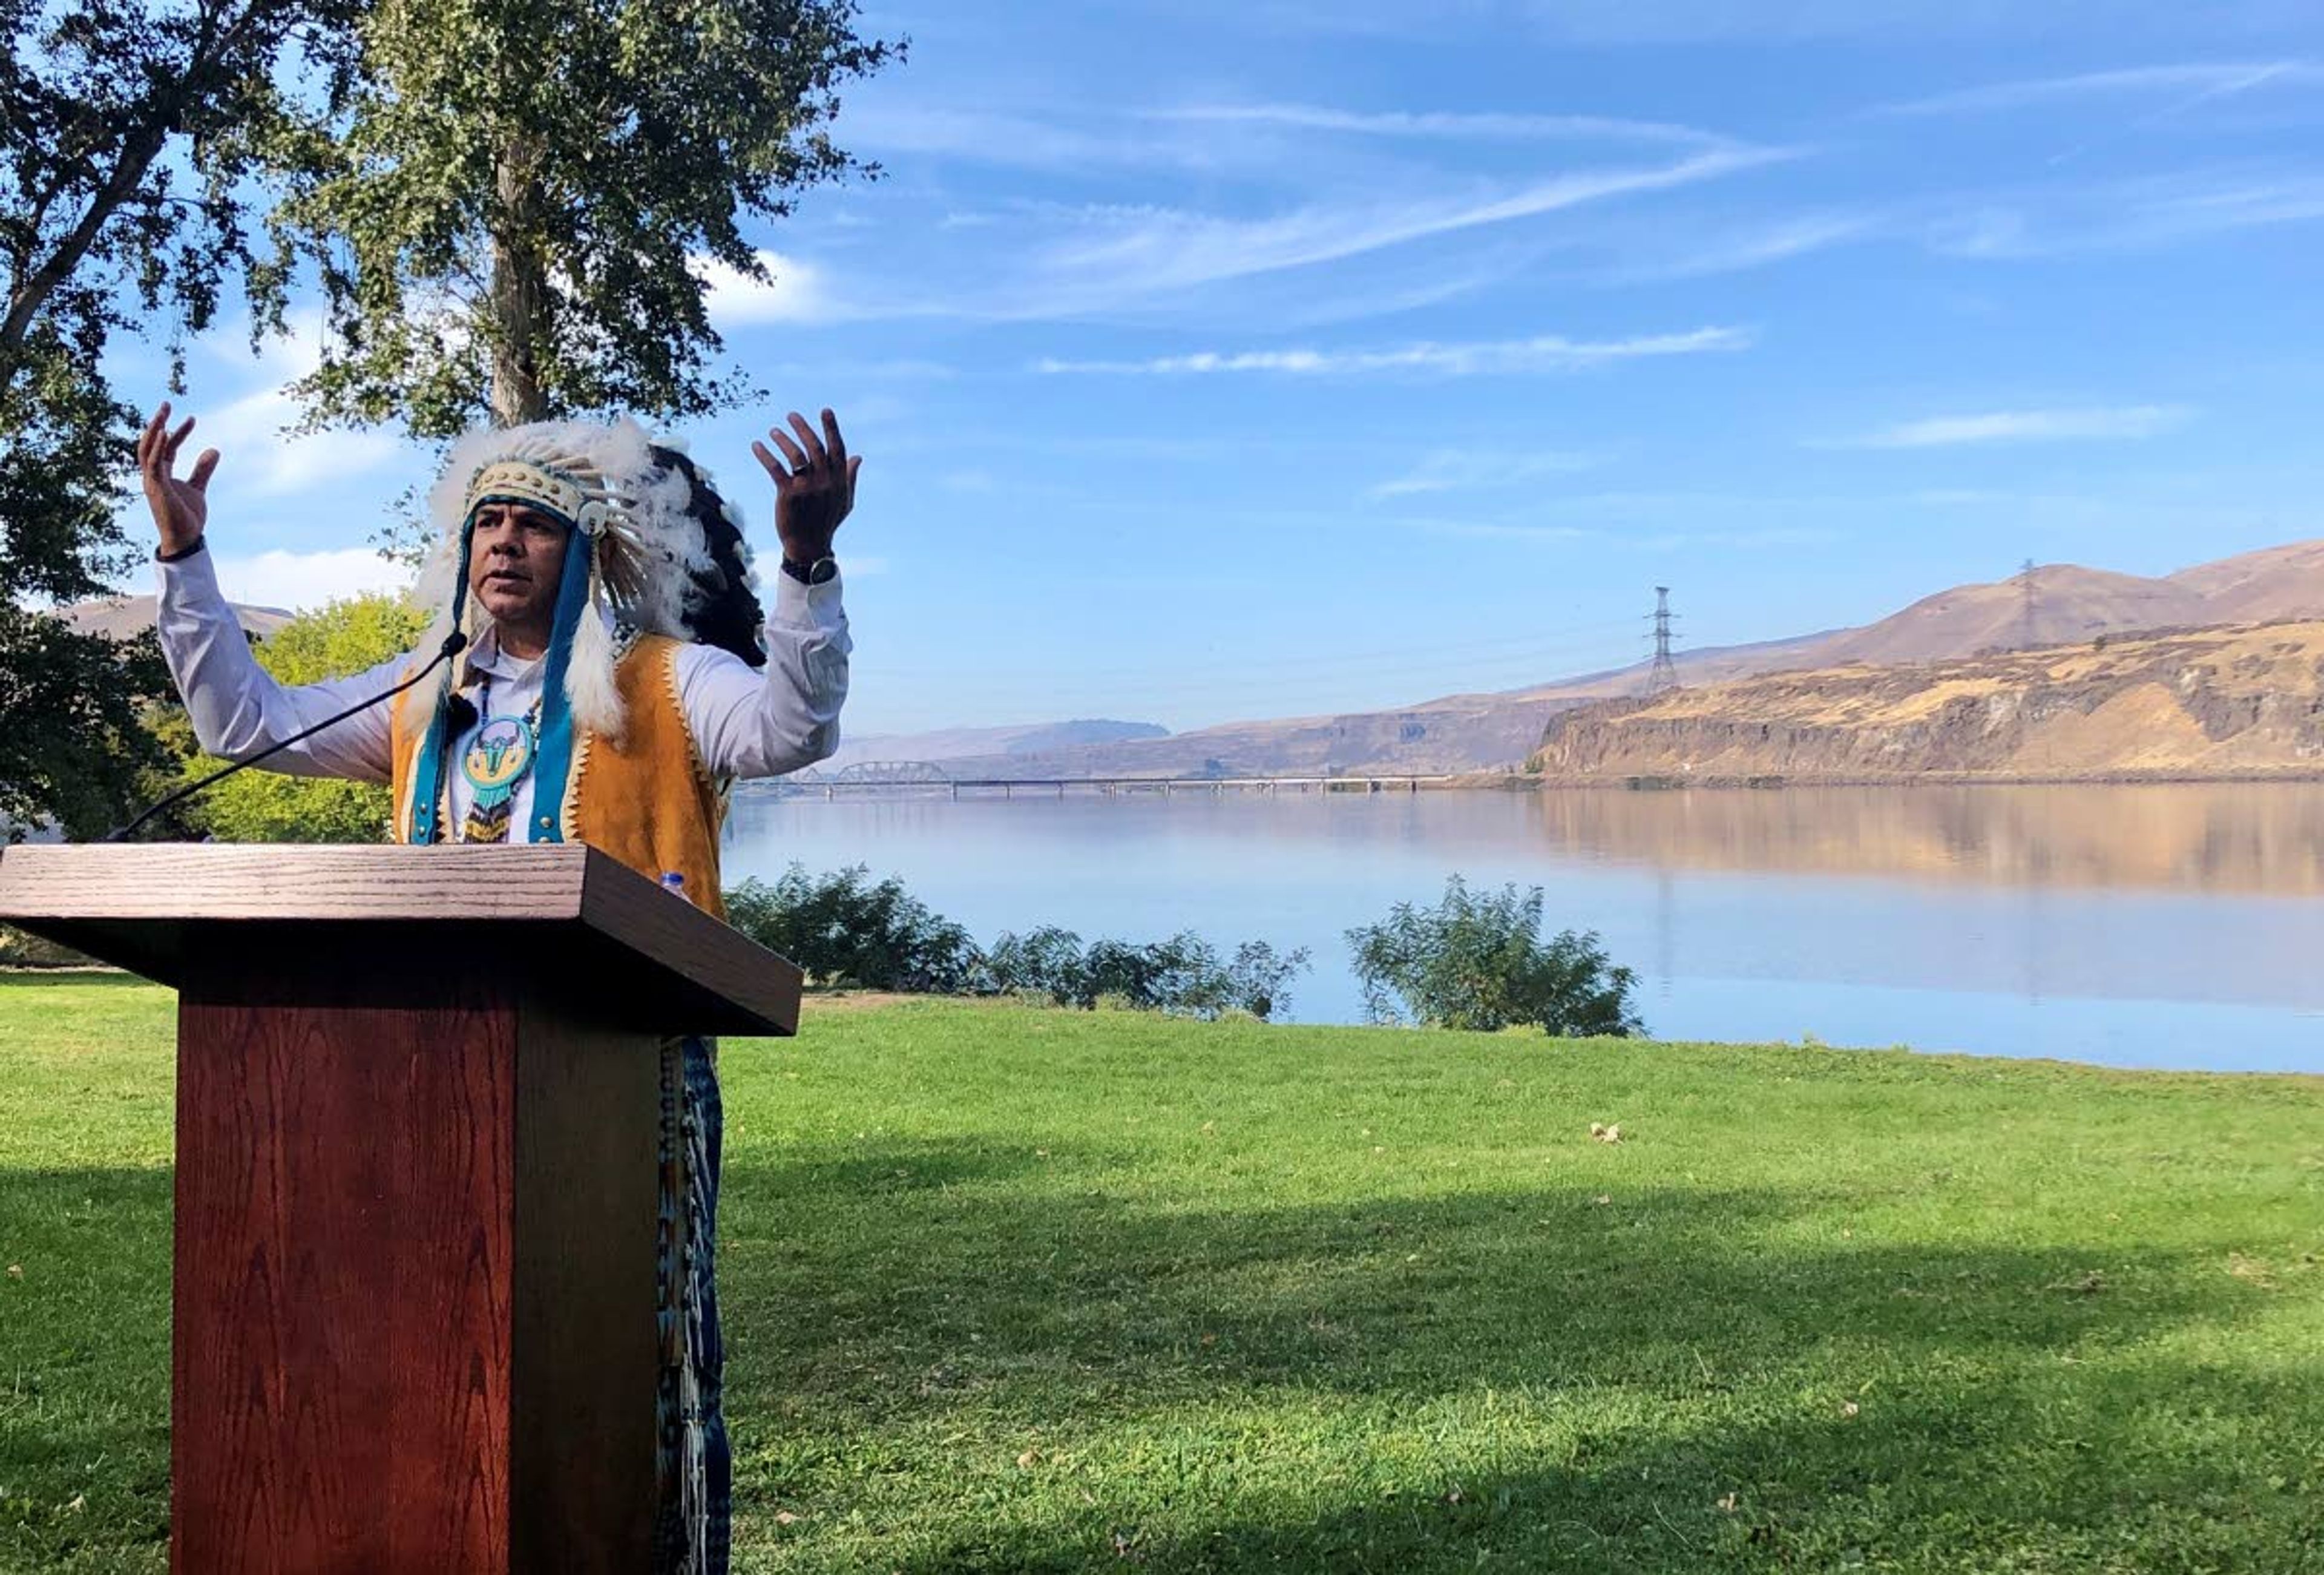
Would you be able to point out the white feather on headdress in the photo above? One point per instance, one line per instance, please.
(649, 548)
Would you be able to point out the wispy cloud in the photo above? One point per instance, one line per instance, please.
(1450, 470)
(2192, 84)
(2236, 204)
(2130, 215)
(980, 136)
(1467, 125)
(1504, 357)
(1296, 307)
(2094, 423)
(1284, 186)
(1212, 135)
(2180, 89)
(1757, 23)
(1157, 250)
(1138, 260)
(1758, 246)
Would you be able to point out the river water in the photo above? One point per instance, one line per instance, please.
(2162, 927)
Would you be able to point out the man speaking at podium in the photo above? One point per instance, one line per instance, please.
(616, 676)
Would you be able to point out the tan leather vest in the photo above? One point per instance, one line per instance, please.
(644, 799)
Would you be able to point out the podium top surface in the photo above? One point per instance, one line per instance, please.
(636, 953)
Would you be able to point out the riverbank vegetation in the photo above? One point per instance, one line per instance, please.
(1010, 1289)
(845, 929)
(1477, 961)
(1470, 961)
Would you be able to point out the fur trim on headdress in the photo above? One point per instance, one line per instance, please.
(649, 558)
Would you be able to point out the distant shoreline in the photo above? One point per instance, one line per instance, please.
(1397, 785)
(1520, 781)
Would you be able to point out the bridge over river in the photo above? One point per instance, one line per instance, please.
(924, 776)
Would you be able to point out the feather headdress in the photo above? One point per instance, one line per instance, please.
(639, 554)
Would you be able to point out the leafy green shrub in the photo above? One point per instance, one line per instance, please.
(1258, 979)
(1181, 971)
(1477, 962)
(1046, 963)
(844, 928)
(1183, 975)
(335, 641)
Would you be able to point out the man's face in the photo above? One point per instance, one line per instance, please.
(516, 560)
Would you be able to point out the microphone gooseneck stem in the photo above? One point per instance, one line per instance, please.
(453, 643)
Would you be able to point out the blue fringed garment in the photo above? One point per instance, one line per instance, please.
(694, 1511)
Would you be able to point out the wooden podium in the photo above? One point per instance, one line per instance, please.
(416, 1187)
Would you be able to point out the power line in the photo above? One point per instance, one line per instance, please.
(2026, 640)
(1663, 676)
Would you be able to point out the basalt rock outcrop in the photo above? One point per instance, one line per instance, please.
(2228, 703)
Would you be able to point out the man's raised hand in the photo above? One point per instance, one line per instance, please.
(815, 484)
(180, 508)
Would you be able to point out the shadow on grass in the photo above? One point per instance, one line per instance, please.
(1685, 1344)
(1559, 1285)
(1919, 1482)
(1670, 1347)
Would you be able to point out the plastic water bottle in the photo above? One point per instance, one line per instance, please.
(675, 884)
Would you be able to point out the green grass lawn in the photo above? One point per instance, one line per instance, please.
(1020, 1290)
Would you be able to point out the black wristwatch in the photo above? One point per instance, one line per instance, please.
(821, 572)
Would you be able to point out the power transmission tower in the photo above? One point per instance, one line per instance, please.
(2027, 640)
(1664, 674)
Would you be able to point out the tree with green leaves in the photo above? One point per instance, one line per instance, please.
(127, 134)
(343, 638)
(512, 213)
(509, 207)
(1477, 961)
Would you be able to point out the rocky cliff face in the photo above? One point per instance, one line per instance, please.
(2245, 701)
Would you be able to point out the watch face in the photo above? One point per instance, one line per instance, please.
(822, 571)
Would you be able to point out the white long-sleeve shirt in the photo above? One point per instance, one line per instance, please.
(744, 722)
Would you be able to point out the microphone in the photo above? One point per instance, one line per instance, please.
(454, 644)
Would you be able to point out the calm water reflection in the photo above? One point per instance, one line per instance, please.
(2149, 926)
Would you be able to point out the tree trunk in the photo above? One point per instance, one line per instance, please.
(520, 290)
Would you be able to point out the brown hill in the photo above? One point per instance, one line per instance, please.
(2069, 604)
(960, 744)
(2234, 701)
(120, 617)
(1709, 665)
(1469, 733)
(1443, 736)
(2257, 587)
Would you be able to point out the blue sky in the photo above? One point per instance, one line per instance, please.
(1217, 361)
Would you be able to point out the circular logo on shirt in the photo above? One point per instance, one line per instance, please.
(499, 755)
